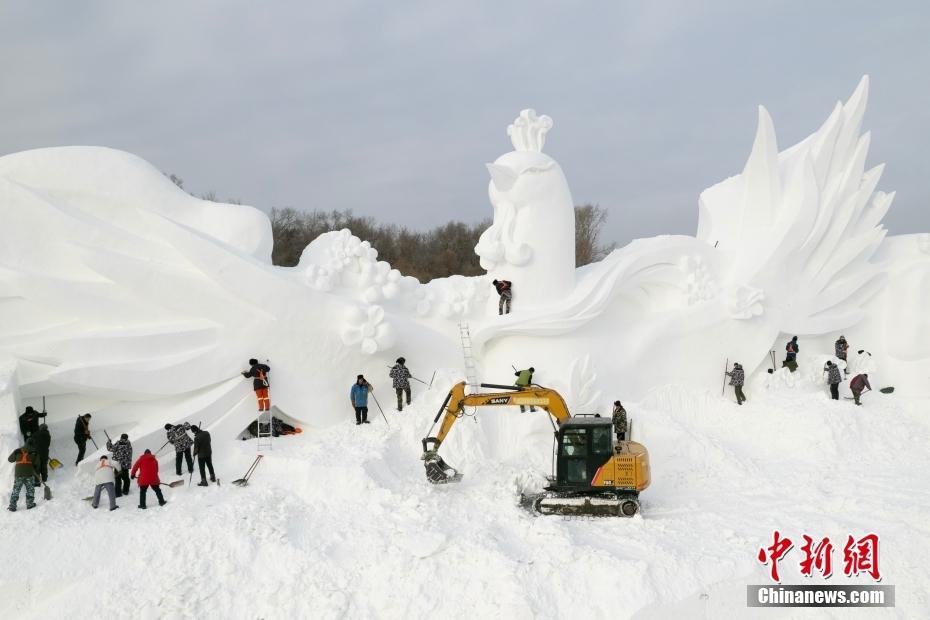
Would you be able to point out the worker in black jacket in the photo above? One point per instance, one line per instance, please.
(259, 375)
(204, 453)
(29, 422)
(42, 440)
(81, 435)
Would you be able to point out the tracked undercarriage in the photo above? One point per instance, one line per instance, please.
(581, 504)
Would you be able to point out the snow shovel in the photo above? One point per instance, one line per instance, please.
(47, 492)
(241, 482)
(162, 448)
(54, 463)
(886, 390)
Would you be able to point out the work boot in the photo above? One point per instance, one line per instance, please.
(114, 508)
(203, 483)
(162, 503)
(11, 508)
(141, 507)
(212, 479)
(357, 423)
(30, 506)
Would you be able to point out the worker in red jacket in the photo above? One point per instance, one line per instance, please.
(147, 468)
(858, 384)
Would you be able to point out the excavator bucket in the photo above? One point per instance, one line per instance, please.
(438, 471)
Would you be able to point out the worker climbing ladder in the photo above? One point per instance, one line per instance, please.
(265, 431)
(471, 371)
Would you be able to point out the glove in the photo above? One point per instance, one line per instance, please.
(133, 476)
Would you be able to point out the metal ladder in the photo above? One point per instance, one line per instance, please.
(471, 371)
(264, 436)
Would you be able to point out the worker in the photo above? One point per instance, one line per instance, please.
(204, 453)
(178, 437)
(834, 379)
(122, 454)
(619, 421)
(400, 378)
(841, 347)
(259, 374)
(42, 440)
(105, 480)
(858, 384)
(147, 467)
(737, 378)
(29, 422)
(791, 355)
(358, 396)
(81, 435)
(24, 475)
(505, 290)
(524, 381)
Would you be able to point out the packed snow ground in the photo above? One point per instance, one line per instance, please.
(341, 522)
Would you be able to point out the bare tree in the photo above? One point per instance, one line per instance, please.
(589, 220)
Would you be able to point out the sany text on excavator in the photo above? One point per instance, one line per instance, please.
(594, 475)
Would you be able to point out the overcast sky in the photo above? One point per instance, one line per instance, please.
(391, 109)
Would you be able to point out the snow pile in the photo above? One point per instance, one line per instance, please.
(341, 522)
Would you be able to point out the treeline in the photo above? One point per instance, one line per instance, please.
(443, 251)
(437, 253)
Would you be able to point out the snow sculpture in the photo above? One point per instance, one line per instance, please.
(532, 239)
(811, 211)
(785, 247)
(124, 296)
(368, 329)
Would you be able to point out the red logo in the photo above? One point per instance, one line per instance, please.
(859, 556)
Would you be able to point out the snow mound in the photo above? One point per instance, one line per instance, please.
(341, 522)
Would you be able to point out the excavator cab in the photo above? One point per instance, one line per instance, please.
(584, 445)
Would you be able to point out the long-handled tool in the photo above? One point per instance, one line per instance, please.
(241, 482)
(161, 484)
(191, 479)
(54, 463)
(415, 379)
(162, 447)
(379, 407)
(726, 365)
(46, 491)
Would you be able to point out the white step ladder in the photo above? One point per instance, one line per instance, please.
(264, 435)
(471, 371)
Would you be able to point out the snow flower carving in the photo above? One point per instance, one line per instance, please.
(379, 281)
(745, 302)
(320, 278)
(699, 283)
(367, 329)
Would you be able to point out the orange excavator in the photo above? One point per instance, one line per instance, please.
(594, 475)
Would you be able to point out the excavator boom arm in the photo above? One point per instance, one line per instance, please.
(456, 401)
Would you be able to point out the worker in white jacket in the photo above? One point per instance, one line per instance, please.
(105, 478)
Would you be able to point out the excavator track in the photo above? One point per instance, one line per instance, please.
(602, 505)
